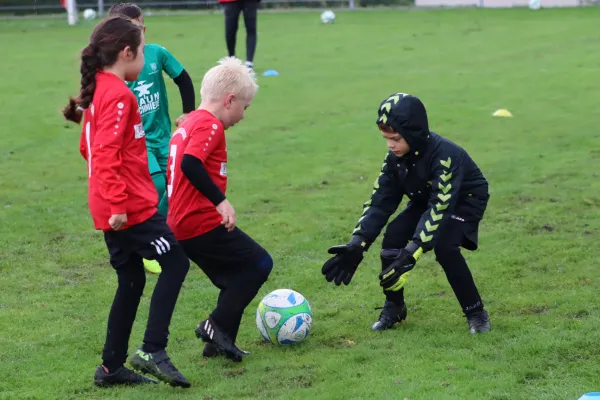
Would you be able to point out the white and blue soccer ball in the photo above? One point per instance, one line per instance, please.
(284, 317)
(89, 14)
(327, 17)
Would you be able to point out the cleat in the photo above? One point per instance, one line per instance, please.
(159, 365)
(210, 351)
(390, 314)
(122, 376)
(209, 332)
(479, 322)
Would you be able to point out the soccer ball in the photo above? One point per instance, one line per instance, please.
(327, 17)
(284, 317)
(89, 14)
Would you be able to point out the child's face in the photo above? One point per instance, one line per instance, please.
(234, 110)
(133, 62)
(396, 143)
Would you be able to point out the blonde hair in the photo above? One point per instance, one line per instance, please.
(229, 76)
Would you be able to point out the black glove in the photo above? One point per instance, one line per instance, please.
(341, 267)
(395, 276)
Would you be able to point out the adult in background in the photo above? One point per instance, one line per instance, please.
(232, 9)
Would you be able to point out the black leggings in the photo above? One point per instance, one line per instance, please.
(152, 240)
(447, 252)
(234, 263)
(232, 13)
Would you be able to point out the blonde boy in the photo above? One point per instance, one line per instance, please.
(200, 215)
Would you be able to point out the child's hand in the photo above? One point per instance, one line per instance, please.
(228, 213)
(117, 221)
(180, 119)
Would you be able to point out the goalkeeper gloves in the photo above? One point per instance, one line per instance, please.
(341, 267)
(394, 277)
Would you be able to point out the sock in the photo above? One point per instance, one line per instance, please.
(150, 348)
(111, 368)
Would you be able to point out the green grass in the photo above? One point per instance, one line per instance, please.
(301, 165)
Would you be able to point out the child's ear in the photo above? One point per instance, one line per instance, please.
(229, 101)
(127, 53)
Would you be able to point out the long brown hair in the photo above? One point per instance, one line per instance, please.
(108, 39)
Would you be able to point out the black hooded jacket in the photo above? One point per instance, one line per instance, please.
(436, 174)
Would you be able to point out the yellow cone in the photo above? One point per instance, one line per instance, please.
(502, 113)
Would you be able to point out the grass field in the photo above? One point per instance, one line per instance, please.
(300, 167)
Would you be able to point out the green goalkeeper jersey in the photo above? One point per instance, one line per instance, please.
(151, 93)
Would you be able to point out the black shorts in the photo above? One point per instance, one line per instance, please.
(150, 240)
(225, 250)
(457, 230)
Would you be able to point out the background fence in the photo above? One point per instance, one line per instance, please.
(25, 8)
(32, 7)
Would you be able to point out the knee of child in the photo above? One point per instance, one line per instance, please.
(389, 254)
(138, 287)
(445, 254)
(265, 265)
(133, 283)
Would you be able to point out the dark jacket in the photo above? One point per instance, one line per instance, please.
(436, 174)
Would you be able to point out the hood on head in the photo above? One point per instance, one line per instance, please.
(406, 115)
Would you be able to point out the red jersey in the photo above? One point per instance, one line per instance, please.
(114, 145)
(190, 213)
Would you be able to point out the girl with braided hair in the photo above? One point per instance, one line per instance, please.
(122, 202)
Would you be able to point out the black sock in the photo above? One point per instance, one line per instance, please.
(395, 297)
(150, 348)
(112, 367)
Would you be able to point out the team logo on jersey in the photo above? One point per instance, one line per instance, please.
(148, 101)
(139, 131)
(142, 89)
(153, 66)
(223, 169)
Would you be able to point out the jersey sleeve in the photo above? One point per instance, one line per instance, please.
(385, 199)
(446, 177)
(170, 65)
(203, 141)
(111, 127)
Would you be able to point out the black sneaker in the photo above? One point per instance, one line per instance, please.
(122, 376)
(209, 332)
(479, 322)
(159, 365)
(210, 351)
(390, 314)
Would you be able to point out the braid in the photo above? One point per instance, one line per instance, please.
(90, 63)
(107, 41)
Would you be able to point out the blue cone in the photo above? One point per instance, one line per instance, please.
(590, 396)
(270, 72)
